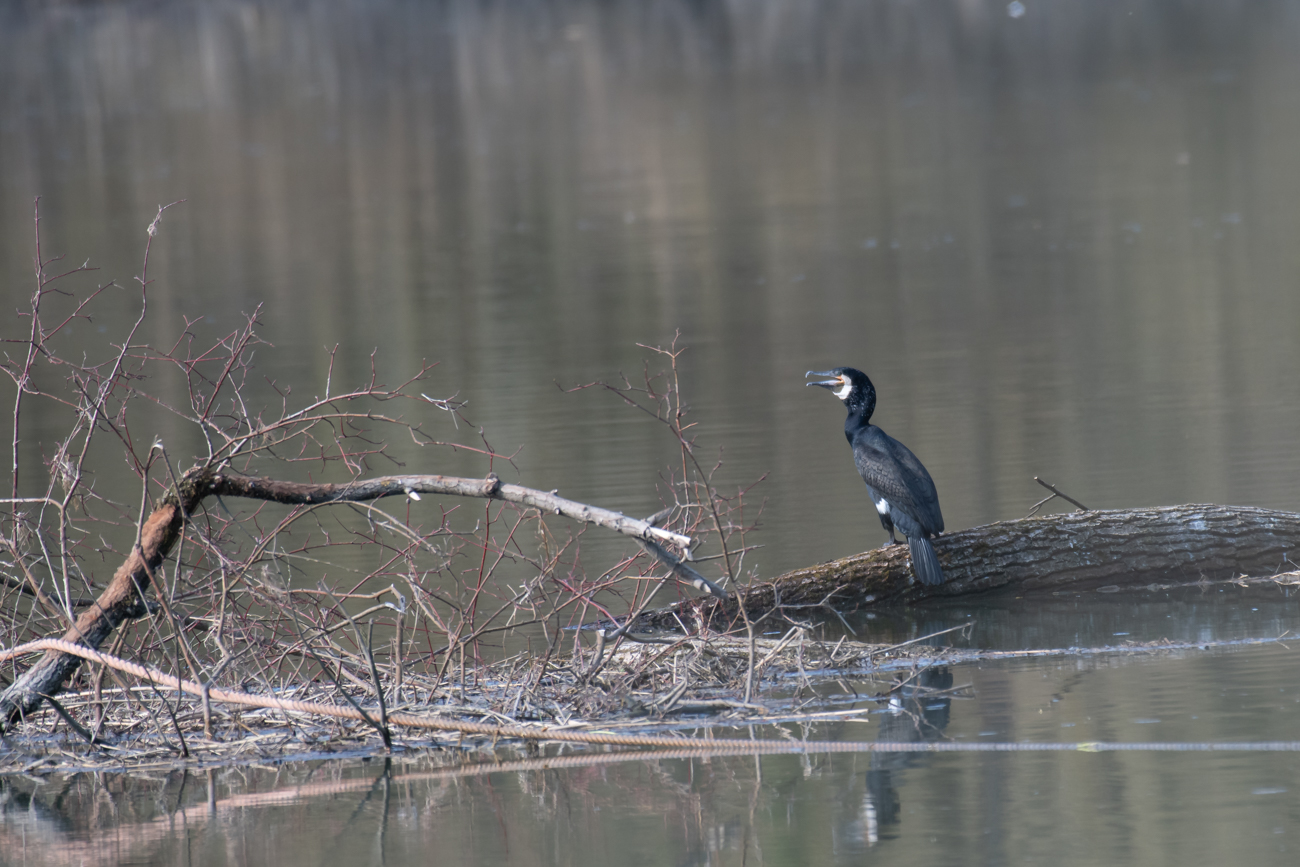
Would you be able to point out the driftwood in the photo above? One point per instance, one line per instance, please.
(1078, 551)
(124, 598)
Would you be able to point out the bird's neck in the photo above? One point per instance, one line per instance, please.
(861, 404)
(858, 419)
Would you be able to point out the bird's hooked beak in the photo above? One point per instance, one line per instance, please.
(839, 379)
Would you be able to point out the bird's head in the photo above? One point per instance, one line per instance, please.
(848, 384)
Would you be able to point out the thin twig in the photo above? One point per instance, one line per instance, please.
(1055, 492)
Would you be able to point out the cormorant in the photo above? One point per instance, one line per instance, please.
(900, 487)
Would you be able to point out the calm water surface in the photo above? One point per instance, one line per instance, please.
(583, 805)
(1063, 244)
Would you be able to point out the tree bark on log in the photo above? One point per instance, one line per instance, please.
(124, 599)
(1076, 551)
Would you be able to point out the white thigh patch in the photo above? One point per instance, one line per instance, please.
(882, 506)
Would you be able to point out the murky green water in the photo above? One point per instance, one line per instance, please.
(581, 805)
(1062, 244)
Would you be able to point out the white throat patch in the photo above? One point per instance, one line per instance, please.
(843, 391)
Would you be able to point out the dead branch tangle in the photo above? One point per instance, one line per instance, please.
(123, 599)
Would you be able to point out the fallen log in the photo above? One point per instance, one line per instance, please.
(1070, 552)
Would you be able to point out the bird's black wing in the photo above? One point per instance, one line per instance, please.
(890, 467)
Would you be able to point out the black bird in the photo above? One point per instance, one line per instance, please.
(900, 487)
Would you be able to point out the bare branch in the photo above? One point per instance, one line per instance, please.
(233, 484)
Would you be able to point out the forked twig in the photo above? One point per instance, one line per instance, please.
(1055, 494)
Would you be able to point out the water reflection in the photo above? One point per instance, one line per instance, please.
(1059, 243)
(918, 711)
(1062, 244)
(1184, 616)
(573, 805)
(692, 809)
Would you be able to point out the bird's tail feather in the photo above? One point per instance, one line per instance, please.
(924, 561)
